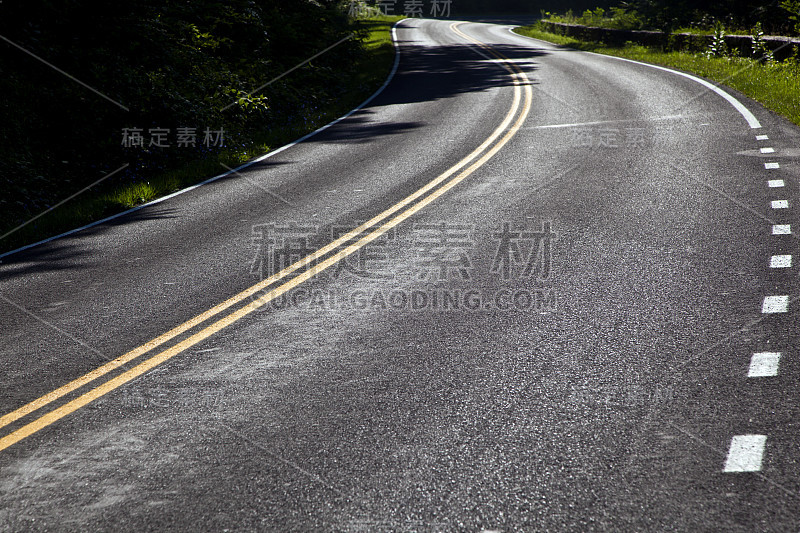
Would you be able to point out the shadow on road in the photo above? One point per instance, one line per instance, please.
(427, 73)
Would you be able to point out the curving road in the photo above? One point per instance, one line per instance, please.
(525, 288)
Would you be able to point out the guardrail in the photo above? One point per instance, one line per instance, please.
(782, 47)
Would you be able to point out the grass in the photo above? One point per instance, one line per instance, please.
(100, 202)
(776, 86)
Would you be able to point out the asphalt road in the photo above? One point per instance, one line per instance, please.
(555, 334)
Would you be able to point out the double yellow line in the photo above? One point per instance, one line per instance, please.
(319, 261)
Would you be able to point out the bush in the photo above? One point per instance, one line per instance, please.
(793, 8)
(760, 49)
(718, 47)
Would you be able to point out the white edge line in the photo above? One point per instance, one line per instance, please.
(752, 121)
(237, 169)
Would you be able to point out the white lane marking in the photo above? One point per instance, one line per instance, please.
(745, 454)
(780, 261)
(776, 183)
(779, 204)
(781, 229)
(752, 121)
(363, 104)
(768, 150)
(762, 137)
(775, 304)
(769, 166)
(764, 364)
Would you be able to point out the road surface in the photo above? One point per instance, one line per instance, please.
(526, 288)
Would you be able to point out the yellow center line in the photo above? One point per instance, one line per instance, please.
(238, 298)
(91, 395)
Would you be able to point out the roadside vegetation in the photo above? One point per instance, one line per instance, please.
(215, 69)
(173, 65)
(774, 84)
(682, 16)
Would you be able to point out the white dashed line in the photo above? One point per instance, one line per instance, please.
(775, 304)
(764, 364)
(781, 229)
(780, 261)
(746, 453)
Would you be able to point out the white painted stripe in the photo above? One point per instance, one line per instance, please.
(780, 261)
(761, 137)
(746, 453)
(768, 150)
(752, 121)
(769, 166)
(363, 104)
(776, 183)
(775, 304)
(781, 229)
(764, 364)
(779, 204)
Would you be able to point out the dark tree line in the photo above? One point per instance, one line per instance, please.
(668, 14)
(179, 63)
(171, 63)
(661, 14)
(477, 7)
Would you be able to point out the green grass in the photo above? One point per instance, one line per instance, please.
(555, 38)
(776, 86)
(101, 201)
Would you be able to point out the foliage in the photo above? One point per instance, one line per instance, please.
(623, 18)
(793, 8)
(695, 16)
(619, 18)
(173, 64)
(701, 15)
(760, 49)
(718, 47)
